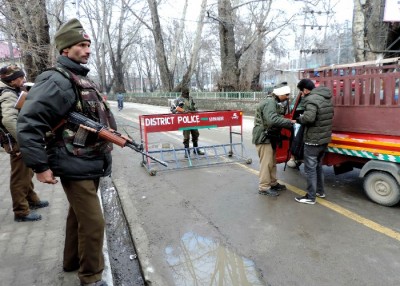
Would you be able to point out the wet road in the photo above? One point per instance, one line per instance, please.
(209, 226)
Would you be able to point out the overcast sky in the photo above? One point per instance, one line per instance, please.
(172, 9)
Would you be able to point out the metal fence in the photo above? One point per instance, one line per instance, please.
(255, 96)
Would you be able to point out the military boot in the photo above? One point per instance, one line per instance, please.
(196, 149)
(187, 151)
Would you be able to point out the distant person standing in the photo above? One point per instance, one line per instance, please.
(182, 104)
(317, 119)
(24, 198)
(268, 122)
(120, 99)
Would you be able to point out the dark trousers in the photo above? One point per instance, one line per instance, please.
(186, 137)
(84, 230)
(21, 186)
(313, 156)
(120, 103)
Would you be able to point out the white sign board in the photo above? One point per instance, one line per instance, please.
(392, 11)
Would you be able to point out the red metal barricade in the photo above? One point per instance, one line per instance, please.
(187, 121)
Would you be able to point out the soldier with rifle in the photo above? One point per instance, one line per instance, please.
(58, 152)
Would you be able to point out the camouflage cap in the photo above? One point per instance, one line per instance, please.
(69, 34)
(11, 72)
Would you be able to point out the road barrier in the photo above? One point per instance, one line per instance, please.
(179, 158)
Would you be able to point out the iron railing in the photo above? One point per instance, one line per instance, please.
(255, 96)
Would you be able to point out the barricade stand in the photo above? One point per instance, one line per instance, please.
(183, 158)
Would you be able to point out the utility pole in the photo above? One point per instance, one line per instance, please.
(312, 23)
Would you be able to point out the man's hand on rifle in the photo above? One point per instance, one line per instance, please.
(46, 177)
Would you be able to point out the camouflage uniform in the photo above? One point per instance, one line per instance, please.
(187, 103)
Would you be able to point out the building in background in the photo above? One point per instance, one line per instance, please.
(9, 54)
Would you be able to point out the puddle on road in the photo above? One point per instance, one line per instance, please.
(202, 261)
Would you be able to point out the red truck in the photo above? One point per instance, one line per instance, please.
(366, 124)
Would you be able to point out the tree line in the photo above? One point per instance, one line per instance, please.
(229, 47)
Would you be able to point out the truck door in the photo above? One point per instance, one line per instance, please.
(283, 151)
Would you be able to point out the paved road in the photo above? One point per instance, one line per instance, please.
(209, 226)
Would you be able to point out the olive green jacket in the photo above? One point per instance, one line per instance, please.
(189, 104)
(268, 117)
(8, 114)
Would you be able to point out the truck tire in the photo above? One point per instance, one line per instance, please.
(382, 188)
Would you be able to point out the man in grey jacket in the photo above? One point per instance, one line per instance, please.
(317, 118)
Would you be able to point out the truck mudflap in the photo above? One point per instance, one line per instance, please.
(381, 182)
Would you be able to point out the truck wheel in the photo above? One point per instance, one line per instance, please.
(382, 188)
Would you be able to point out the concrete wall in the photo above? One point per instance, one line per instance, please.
(248, 107)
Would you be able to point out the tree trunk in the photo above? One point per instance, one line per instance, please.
(166, 76)
(229, 79)
(259, 55)
(370, 33)
(195, 50)
(29, 27)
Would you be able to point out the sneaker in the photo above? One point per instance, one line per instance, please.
(269, 192)
(30, 217)
(305, 200)
(320, 195)
(291, 163)
(278, 187)
(38, 205)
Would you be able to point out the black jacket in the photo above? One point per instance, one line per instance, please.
(47, 104)
(317, 116)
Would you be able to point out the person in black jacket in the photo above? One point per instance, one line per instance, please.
(51, 150)
(317, 118)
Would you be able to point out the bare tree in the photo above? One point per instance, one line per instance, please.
(114, 33)
(195, 49)
(238, 37)
(165, 73)
(27, 24)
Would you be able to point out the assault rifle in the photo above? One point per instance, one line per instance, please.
(86, 124)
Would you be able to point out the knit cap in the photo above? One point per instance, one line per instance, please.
(69, 34)
(11, 72)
